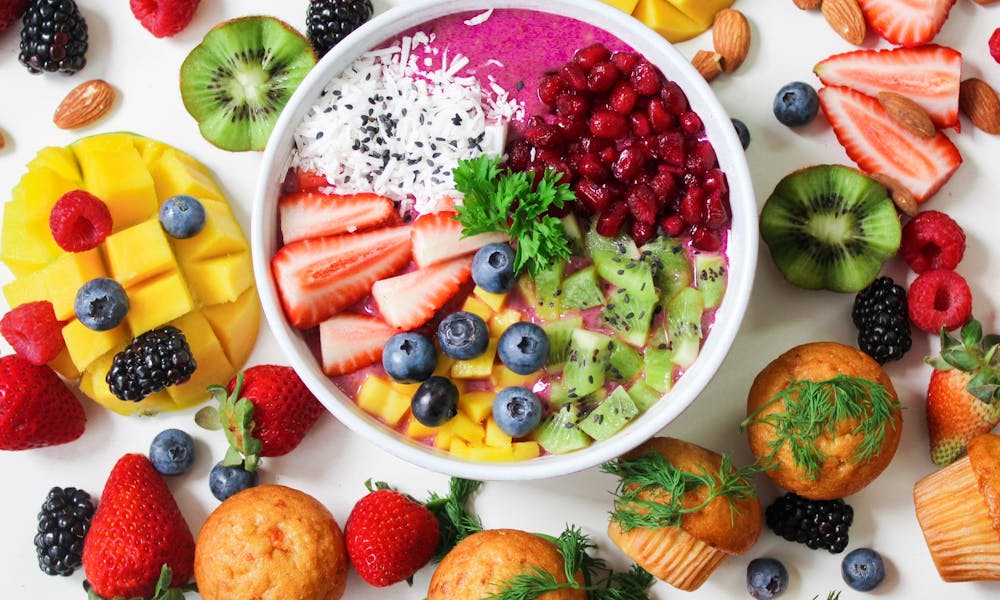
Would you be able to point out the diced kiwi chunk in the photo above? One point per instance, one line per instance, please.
(560, 432)
(582, 290)
(670, 263)
(624, 363)
(587, 361)
(635, 276)
(610, 416)
(571, 226)
(629, 316)
(711, 277)
(602, 249)
(643, 395)
(548, 289)
(683, 314)
(659, 369)
(559, 333)
(559, 394)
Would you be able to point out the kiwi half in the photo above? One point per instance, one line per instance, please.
(830, 227)
(238, 79)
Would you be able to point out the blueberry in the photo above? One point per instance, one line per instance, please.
(863, 569)
(435, 402)
(743, 132)
(766, 578)
(182, 216)
(493, 268)
(463, 335)
(517, 411)
(225, 481)
(409, 357)
(523, 347)
(101, 304)
(172, 452)
(796, 104)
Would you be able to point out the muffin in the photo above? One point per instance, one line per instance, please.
(958, 509)
(478, 566)
(824, 418)
(270, 541)
(683, 542)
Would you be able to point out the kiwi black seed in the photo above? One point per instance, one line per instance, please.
(830, 227)
(237, 81)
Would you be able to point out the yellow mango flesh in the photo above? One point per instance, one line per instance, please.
(115, 173)
(27, 243)
(668, 20)
(139, 253)
(623, 5)
(701, 12)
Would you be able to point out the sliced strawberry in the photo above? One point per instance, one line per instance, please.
(438, 237)
(878, 144)
(350, 342)
(906, 22)
(410, 300)
(313, 214)
(928, 75)
(309, 181)
(318, 278)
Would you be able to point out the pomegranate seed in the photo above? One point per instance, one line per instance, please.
(691, 205)
(629, 162)
(642, 232)
(573, 76)
(608, 155)
(673, 97)
(571, 104)
(625, 61)
(672, 225)
(659, 118)
(543, 135)
(559, 211)
(670, 147)
(591, 55)
(603, 76)
(592, 195)
(608, 125)
(690, 122)
(549, 89)
(640, 124)
(701, 158)
(589, 165)
(647, 144)
(519, 155)
(705, 239)
(642, 204)
(716, 180)
(664, 186)
(622, 99)
(616, 191)
(612, 219)
(645, 79)
(716, 216)
(561, 167)
(572, 127)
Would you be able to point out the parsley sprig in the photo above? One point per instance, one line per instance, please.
(599, 581)
(508, 202)
(651, 490)
(814, 408)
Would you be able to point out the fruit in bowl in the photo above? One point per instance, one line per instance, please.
(559, 245)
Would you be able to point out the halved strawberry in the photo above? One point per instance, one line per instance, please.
(306, 215)
(411, 299)
(317, 278)
(878, 144)
(928, 75)
(438, 237)
(349, 342)
(906, 22)
(309, 181)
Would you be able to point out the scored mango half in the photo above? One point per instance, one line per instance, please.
(202, 285)
(676, 20)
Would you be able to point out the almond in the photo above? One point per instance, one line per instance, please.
(807, 4)
(847, 20)
(731, 37)
(907, 113)
(3, 142)
(84, 104)
(901, 196)
(708, 63)
(980, 103)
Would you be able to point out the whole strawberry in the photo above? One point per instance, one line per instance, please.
(389, 537)
(136, 532)
(10, 12)
(963, 397)
(36, 407)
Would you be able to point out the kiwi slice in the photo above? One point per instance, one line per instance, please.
(238, 79)
(610, 416)
(582, 290)
(830, 227)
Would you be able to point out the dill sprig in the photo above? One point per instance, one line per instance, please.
(455, 520)
(814, 408)
(512, 202)
(599, 581)
(651, 490)
(834, 595)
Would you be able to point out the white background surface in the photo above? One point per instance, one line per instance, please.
(332, 464)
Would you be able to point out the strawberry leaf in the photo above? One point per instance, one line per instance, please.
(986, 393)
(972, 333)
(960, 359)
(236, 417)
(208, 418)
(938, 363)
(947, 341)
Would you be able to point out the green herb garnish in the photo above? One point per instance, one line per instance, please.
(834, 595)
(813, 408)
(455, 521)
(599, 581)
(650, 492)
(506, 201)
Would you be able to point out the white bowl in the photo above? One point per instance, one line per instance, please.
(742, 245)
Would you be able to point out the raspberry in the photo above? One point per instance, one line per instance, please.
(164, 18)
(932, 240)
(33, 331)
(10, 12)
(939, 299)
(79, 221)
(995, 45)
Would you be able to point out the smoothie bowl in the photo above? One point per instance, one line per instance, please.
(504, 240)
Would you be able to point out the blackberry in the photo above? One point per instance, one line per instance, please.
(53, 37)
(815, 523)
(329, 21)
(882, 318)
(62, 525)
(154, 360)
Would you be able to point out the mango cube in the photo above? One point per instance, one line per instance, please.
(157, 302)
(462, 426)
(63, 365)
(443, 367)
(66, 275)
(476, 368)
(115, 173)
(86, 345)
(406, 389)
(495, 437)
(701, 12)
(502, 320)
(442, 440)
(503, 377)
(139, 253)
(60, 160)
(623, 5)
(459, 448)
(477, 405)
(222, 235)
(667, 20)
(235, 325)
(27, 242)
(526, 450)
(27, 288)
(477, 307)
(213, 366)
(418, 431)
(377, 397)
(176, 174)
(220, 279)
(92, 384)
(494, 301)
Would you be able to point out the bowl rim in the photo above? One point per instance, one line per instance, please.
(743, 236)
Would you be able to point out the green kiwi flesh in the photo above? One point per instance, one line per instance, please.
(237, 81)
(830, 227)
